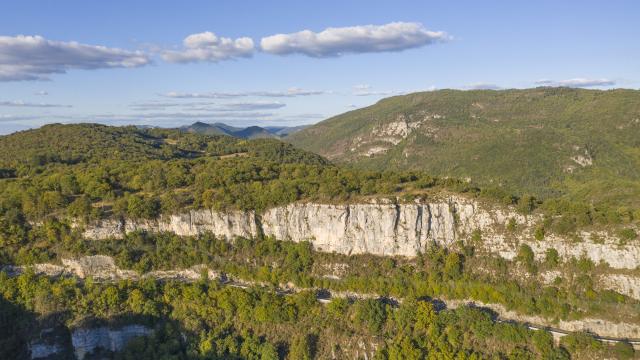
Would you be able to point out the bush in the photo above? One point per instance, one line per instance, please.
(525, 255)
(581, 342)
(371, 313)
(627, 234)
(552, 258)
(539, 233)
(623, 351)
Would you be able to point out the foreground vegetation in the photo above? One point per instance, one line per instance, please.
(62, 173)
(230, 323)
(440, 273)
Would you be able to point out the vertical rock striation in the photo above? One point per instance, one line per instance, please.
(380, 228)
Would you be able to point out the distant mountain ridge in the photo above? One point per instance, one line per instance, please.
(250, 132)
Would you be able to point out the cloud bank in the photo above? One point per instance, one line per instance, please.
(208, 47)
(35, 58)
(482, 86)
(577, 82)
(291, 92)
(20, 103)
(208, 106)
(332, 42)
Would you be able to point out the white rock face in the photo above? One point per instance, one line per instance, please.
(383, 228)
(624, 284)
(85, 341)
(101, 267)
(98, 266)
(617, 256)
(229, 225)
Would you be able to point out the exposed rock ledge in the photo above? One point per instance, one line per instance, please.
(602, 328)
(101, 267)
(382, 228)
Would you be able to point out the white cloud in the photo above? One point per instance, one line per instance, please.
(577, 82)
(35, 58)
(248, 106)
(20, 103)
(10, 117)
(482, 86)
(396, 36)
(207, 46)
(208, 106)
(367, 90)
(195, 115)
(41, 93)
(291, 92)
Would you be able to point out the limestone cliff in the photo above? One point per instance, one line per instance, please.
(101, 267)
(384, 228)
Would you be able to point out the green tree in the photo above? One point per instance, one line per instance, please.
(300, 348)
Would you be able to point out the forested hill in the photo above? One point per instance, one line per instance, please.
(78, 143)
(581, 144)
(91, 171)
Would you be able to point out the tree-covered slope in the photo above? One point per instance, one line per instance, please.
(78, 143)
(91, 170)
(545, 141)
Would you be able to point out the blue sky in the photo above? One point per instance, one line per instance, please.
(122, 62)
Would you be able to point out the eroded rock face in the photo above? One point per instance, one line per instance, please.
(597, 326)
(383, 228)
(101, 267)
(229, 225)
(85, 341)
(622, 283)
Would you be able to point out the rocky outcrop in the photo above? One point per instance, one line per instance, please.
(228, 224)
(101, 267)
(622, 283)
(611, 252)
(603, 328)
(375, 228)
(85, 340)
(384, 228)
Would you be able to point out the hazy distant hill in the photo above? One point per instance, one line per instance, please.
(251, 132)
(547, 141)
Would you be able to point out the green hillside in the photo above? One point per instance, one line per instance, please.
(92, 171)
(59, 175)
(550, 142)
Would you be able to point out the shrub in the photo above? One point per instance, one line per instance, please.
(627, 234)
(525, 254)
(552, 257)
(372, 313)
(539, 233)
(623, 350)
